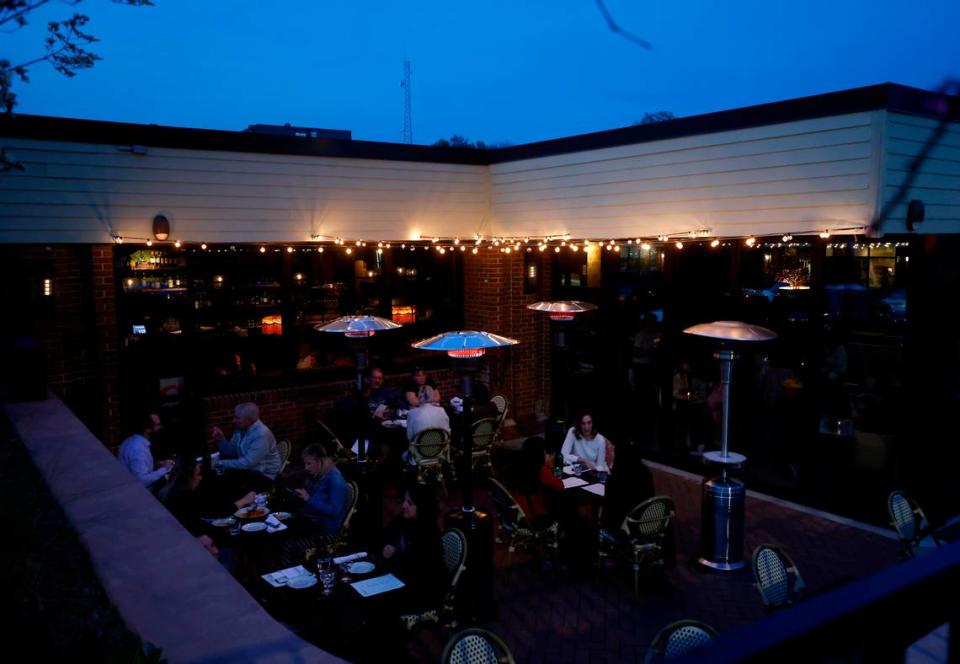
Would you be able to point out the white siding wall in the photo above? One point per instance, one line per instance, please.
(938, 181)
(75, 192)
(791, 177)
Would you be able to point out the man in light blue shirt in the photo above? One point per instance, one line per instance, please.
(252, 447)
(136, 456)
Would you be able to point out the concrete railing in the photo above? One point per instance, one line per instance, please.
(165, 585)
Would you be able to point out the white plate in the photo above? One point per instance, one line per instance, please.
(222, 523)
(303, 581)
(361, 567)
(282, 516)
(254, 527)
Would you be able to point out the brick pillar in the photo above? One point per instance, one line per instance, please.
(75, 324)
(106, 351)
(495, 301)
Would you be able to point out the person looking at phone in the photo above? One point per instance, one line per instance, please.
(325, 494)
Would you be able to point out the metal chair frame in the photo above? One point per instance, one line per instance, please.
(454, 559)
(514, 525)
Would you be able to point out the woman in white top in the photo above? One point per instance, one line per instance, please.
(586, 446)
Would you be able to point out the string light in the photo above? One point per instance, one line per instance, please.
(787, 237)
(715, 244)
(263, 250)
(824, 235)
(118, 239)
(204, 246)
(177, 244)
(751, 241)
(149, 242)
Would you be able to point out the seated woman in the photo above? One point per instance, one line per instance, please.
(413, 550)
(584, 445)
(418, 389)
(536, 488)
(325, 495)
(189, 505)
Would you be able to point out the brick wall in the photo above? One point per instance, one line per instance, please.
(495, 301)
(290, 411)
(75, 326)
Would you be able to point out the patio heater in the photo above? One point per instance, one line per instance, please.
(561, 313)
(722, 508)
(358, 330)
(467, 349)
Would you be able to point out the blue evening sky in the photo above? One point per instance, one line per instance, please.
(499, 70)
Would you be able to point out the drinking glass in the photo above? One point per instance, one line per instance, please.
(577, 469)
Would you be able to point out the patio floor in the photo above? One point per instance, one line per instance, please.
(547, 616)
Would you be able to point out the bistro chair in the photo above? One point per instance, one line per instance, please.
(776, 577)
(340, 453)
(913, 529)
(483, 433)
(476, 646)
(678, 639)
(454, 559)
(501, 403)
(353, 495)
(283, 449)
(642, 538)
(431, 451)
(515, 528)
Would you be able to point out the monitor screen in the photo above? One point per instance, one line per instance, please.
(139, 329)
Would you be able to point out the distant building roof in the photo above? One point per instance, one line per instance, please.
(887, 96)
(303, 132)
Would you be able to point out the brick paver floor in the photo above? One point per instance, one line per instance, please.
(555, 616)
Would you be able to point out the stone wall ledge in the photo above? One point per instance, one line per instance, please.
(165, 585)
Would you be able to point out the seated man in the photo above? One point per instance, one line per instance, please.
(325, 495)
(418, 389)
(378, 399)
(136, 456)
(427, 415)
(252, 447)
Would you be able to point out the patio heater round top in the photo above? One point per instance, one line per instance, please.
(731, 330)
(358, 326)
(562, 309)
(464, 343)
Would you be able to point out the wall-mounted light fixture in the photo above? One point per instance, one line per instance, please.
(161, 227)
(47, 287)
(916, 212)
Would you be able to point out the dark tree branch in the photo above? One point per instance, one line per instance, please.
(642, 43)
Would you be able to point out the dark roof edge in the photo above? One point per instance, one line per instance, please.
(127, 134)
(888, 96)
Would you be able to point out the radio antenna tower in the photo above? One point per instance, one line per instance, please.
(407, 113)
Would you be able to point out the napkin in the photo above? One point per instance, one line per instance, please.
(274, 524)
(377, 585)
(571, 482)
(595, 488)
(280, 578)
(349, 558)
